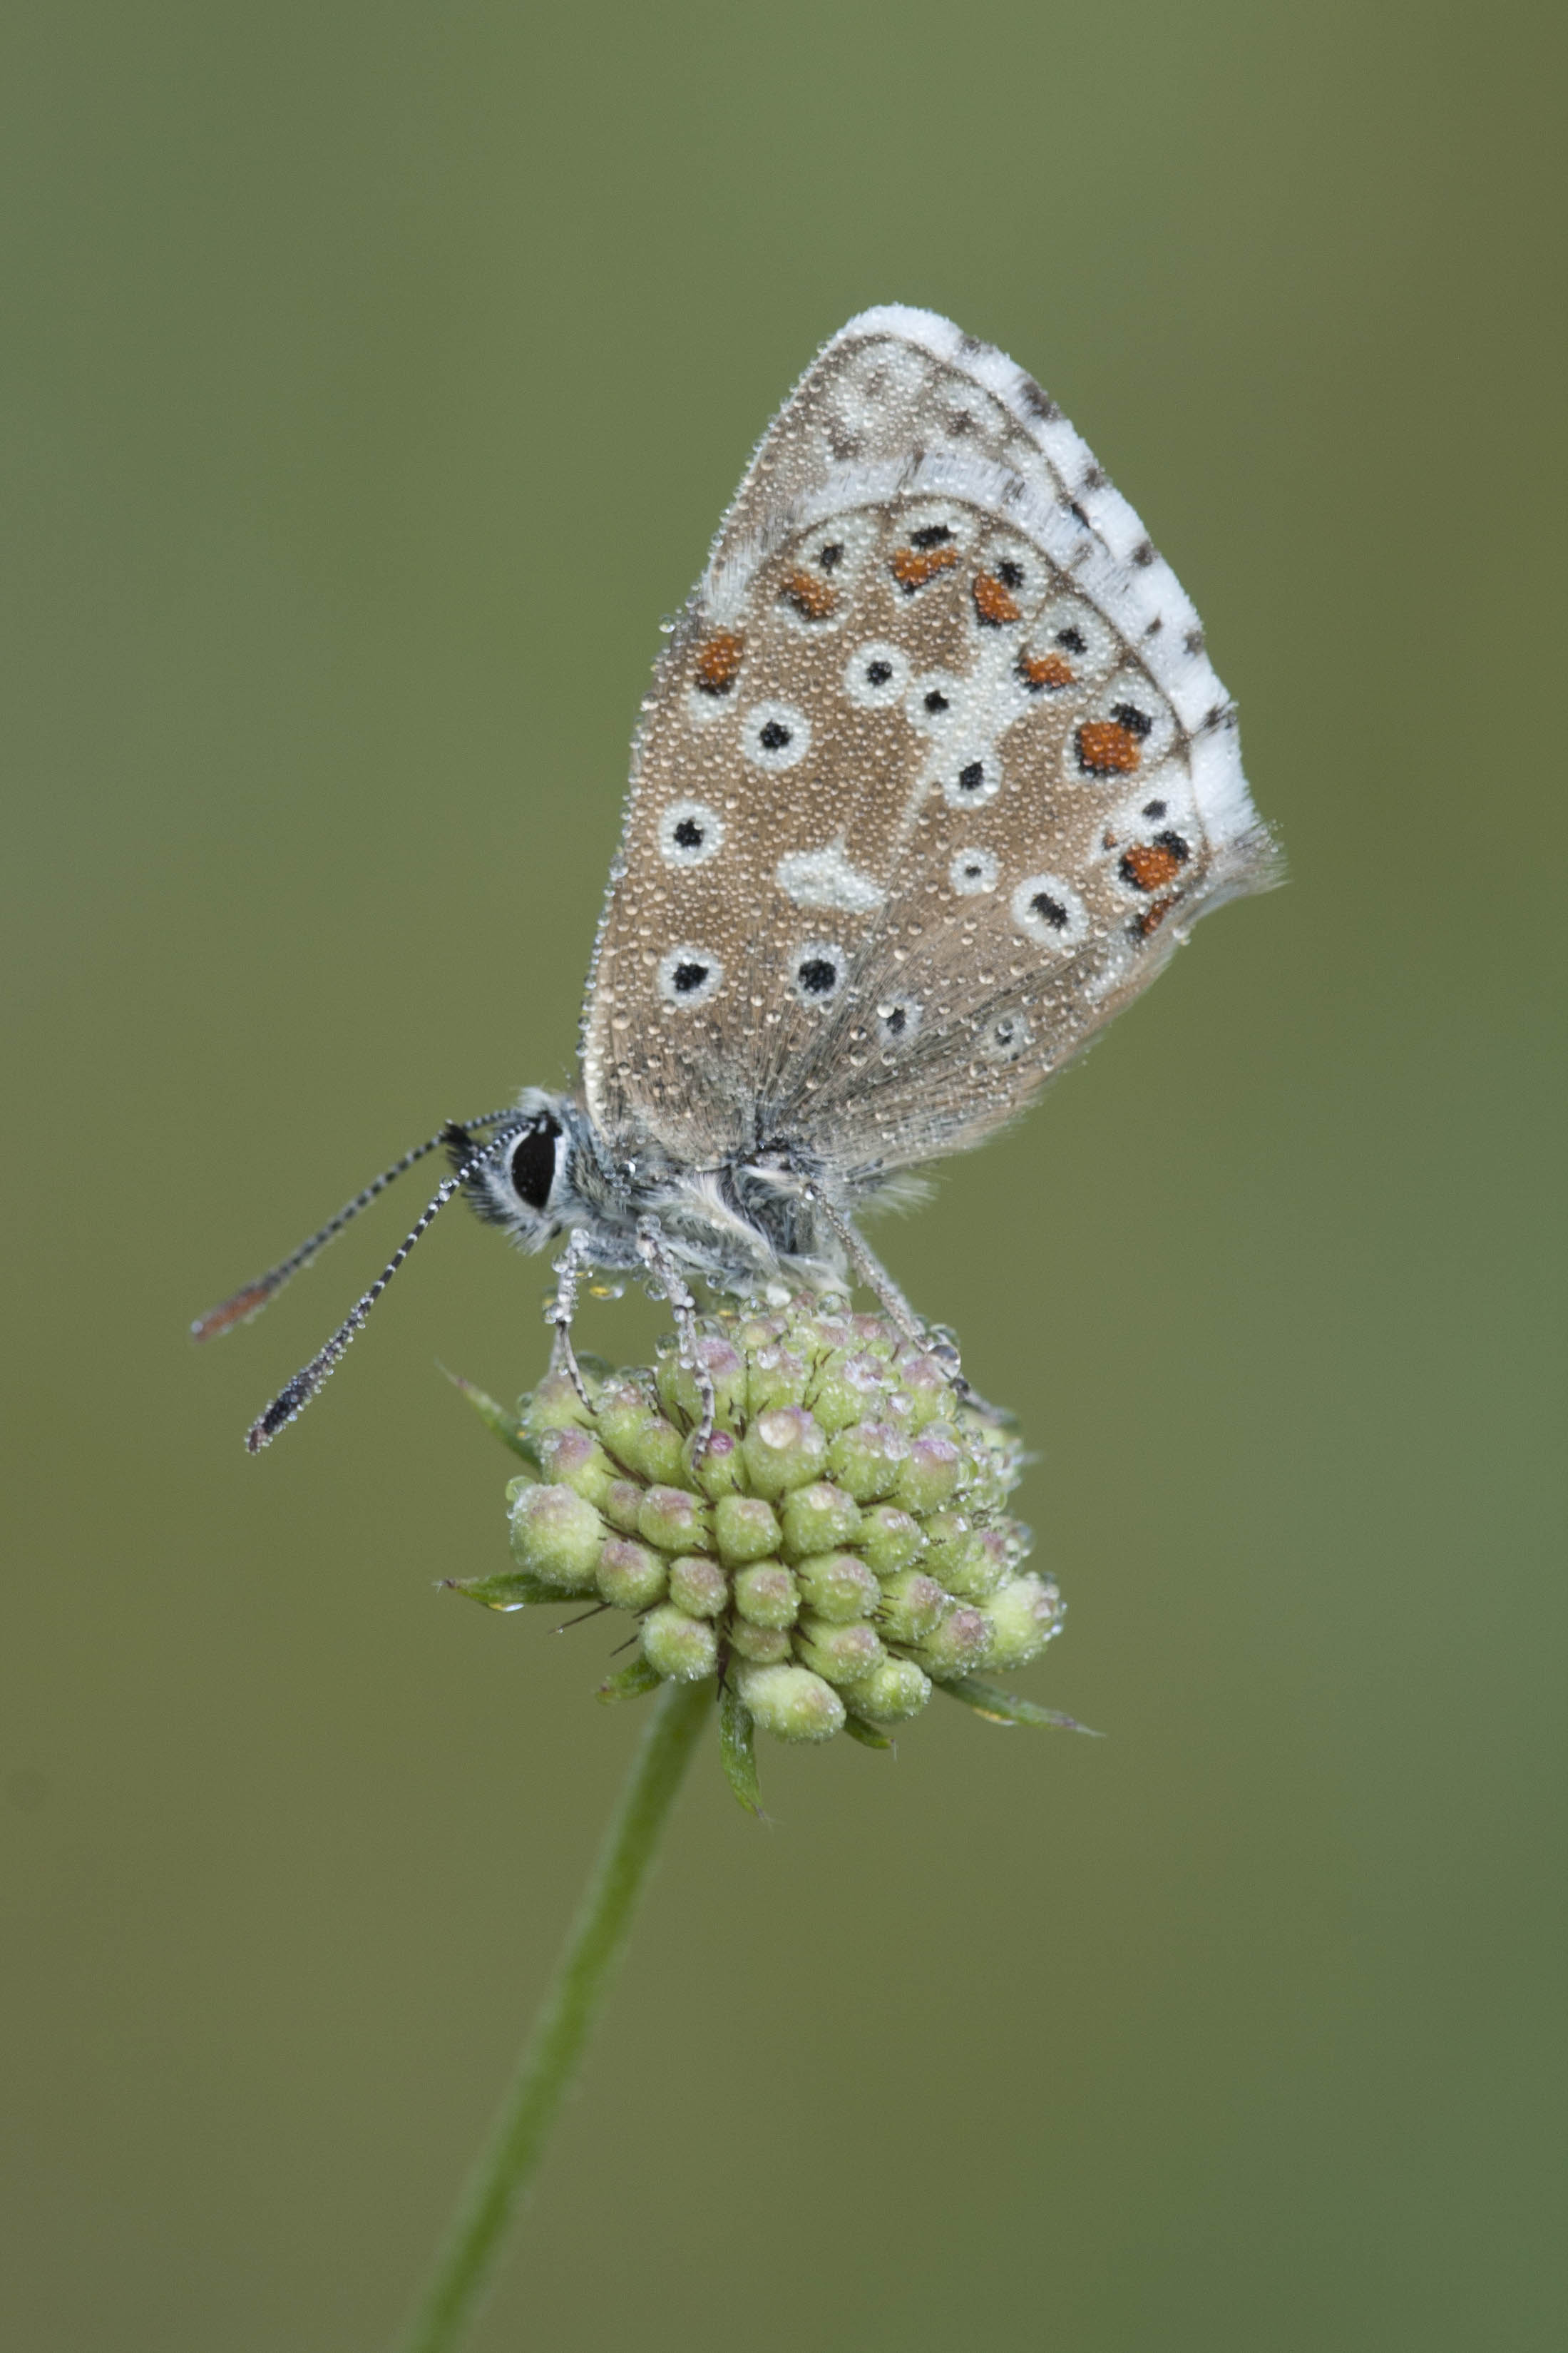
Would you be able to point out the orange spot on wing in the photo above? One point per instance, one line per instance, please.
(1153, 865)
(1105, 748)
(1149, 919)
(812, 596)
(913, 567)
(994, 602)
(718, 663)
(1044, 669)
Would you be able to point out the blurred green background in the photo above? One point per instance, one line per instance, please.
(374, 379)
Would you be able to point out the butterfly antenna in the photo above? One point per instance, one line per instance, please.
(254, 1296)
(291, 1401)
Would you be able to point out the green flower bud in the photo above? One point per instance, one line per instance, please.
(574, 1458)
(620, 1503)
(783, 1448)
(913, 1606)
(653, 1450)
(630, 1575)
(929, 1477)
(678, 1392)
(1023, 1616)
(776, 1376)
(556, 1536)
(681, 1649)
(673, 1519)
(960, 1641)
(699, 1587)
(866, 1458)
(621, 1410)
(767, 1594)
(889, 1539)
(893, 1689)
(960, 1558)
(841, 1653)
(553, 1405)
(719, 1470)
(791, 1703)
(744, 1529)
(925, 1385)
(837, 1586)
(770, 1646)
(818, 1518)
(848, 1388)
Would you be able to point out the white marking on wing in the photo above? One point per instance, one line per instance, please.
(824, 878)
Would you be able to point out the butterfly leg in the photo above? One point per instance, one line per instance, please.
(569, 1268)
(875, 1276)
(655, 1254)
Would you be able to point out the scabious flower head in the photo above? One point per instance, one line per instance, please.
(839, 1548)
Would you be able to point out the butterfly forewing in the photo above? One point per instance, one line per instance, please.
(931, 776)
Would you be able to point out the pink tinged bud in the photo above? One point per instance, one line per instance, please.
(841, 1653)
(654, 1451)
(837, 1586)
(959, 1644)
(964, 1561)
(889, 1539)
(926, 1386)
(699, 1587)
(767, 1594)
(555, 1405)
(776, 1376)
(783, 1448)
(929, 1478)
(680, 1394)
(745, 1529)
(620, 1503)
(893, 1689)
(557, 1537)
(630, 1575)
(1022, 1616)
(575, 1459)
(848, 1389)
(914, 1605)
(681, 1649)
(768, 1645)
(791, 1702)
(866, 1459)
(818, 1518)
(673, 1520)
(718, 1469)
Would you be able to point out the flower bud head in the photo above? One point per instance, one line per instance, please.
(836, 1541)
(556, 1536)
(791, 1703)
(680, 1648)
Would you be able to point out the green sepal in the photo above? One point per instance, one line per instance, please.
(866, 1733)
(737, 1751)
(630, 1683)
(495, 1417)
(1000, 1708)
(510, 1589)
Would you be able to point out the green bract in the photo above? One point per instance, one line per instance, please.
(839, 1549)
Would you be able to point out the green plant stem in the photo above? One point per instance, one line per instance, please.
(566, 2019)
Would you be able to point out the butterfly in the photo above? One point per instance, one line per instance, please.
(933, 775)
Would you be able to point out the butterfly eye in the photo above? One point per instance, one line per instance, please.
(530, 1165)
